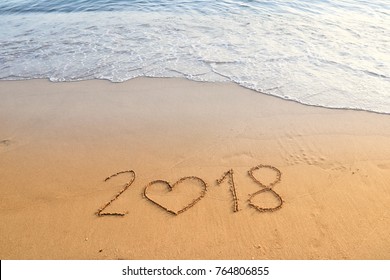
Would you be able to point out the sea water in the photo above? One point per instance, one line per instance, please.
(331, 53)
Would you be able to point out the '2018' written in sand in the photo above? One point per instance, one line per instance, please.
(228, 175)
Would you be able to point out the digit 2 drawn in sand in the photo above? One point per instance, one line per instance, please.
(126, 186)
(265, 188)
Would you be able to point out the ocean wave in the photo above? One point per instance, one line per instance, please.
(323, 53)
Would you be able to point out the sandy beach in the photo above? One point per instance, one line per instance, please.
(60, 141)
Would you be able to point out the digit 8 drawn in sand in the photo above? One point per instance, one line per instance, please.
(266, 188)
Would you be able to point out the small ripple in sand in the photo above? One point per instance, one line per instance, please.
(5, 142)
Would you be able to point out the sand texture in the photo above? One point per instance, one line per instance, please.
(187, 170)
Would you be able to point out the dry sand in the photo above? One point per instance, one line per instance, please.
(59, 141)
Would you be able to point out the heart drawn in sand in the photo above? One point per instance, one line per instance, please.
(179, 198)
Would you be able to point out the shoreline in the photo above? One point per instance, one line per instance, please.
(211, 82)
(60, 140)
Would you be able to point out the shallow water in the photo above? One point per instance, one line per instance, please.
(328, 53)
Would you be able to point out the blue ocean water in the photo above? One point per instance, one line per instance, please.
(331, 53)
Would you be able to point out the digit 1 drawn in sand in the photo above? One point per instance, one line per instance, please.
(231, 187)
(265, 188)
(126, 186)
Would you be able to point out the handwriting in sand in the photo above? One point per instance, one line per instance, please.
(228, 175)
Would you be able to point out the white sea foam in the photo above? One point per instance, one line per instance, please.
(332, 55)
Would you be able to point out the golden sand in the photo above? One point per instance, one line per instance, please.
(243, 175)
